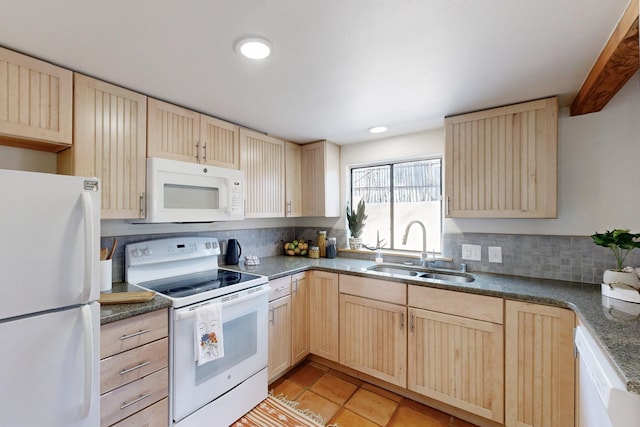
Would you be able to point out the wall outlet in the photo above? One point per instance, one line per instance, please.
(472, 252)
(495, 254)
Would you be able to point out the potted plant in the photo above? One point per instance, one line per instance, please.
(621, 242)
(355, 221)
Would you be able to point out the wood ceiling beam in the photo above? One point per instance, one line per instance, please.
(618, 61)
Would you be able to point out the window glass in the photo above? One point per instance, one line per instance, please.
(396, 194)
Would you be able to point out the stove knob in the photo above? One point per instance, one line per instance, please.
(146, 251)
(215, 244)
(136, 252)
(207, 245)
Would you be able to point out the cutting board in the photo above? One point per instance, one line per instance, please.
(126, 297)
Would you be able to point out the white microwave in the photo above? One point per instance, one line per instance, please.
(191, 192)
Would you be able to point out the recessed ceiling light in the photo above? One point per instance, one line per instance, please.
(378, 129)
(254, 47)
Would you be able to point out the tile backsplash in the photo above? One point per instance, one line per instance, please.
(570, 258)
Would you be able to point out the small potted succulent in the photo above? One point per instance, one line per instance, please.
(621, 242)
(355, 221)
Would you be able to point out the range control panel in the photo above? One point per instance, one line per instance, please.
(174, 249)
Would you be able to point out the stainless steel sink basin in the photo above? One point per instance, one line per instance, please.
(420, 273)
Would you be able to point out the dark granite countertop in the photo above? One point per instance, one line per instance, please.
(113, 312)
(618, 332)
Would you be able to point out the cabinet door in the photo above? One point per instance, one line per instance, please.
(539, 365)
(299, 317)
(502, 163)
(458, 361)
(110, 142)
(321, 188)
(279, 336)
(293, 180)
(219, 143)
(35, 103)
(323, 312)
(373, 338)
(262, 160)
(173, 132)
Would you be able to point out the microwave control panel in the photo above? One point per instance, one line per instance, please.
(236, 197)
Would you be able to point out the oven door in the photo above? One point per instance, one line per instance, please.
(245, 340)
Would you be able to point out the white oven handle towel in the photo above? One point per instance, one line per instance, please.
(208, 333)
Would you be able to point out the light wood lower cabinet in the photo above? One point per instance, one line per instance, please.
(323, 315)
(134, 379)
(279, 326)
(299, 317)
(540, 365)
(454, 359)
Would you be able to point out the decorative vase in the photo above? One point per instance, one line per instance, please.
(628, 277)
(355, 242)
(621, 285)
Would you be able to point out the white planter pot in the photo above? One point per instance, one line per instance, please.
(628, 277)
(355, 242)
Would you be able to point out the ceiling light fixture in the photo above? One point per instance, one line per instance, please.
(378, 129)
(254, 47)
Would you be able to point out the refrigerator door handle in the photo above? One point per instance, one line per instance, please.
(88, 360)
(90, 250)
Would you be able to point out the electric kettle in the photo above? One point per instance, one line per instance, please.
(234, 250)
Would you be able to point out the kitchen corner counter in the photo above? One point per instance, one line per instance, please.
(618, 333)
(114, 312)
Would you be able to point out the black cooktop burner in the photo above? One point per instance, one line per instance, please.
(196, 283)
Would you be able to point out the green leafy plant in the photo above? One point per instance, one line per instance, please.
(620, 241)
(356, 218)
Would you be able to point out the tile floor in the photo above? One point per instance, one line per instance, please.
(350, 402)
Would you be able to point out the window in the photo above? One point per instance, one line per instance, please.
(396, 194)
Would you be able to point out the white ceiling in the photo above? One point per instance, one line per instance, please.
(338, 66)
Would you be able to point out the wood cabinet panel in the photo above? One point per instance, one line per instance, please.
(129, 333)
(262, 160)
(219, 143)
(294, 180)
(279, 336)
(280, 287)
(373, 338)
(110, 135)
(539, 365)
(156, 415)
(321, 182)
(299, 317)
(382, 290)
(324, 315)
(35, 103)
(173, 131)
(502, 163)
(481, 307)
(458, 361)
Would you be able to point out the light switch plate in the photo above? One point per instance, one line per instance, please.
(472, 252)
(495, 254)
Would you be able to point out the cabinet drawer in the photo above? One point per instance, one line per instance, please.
(156, 415)
(280, 287)
(128, 366)
(473, 306)
(381, 290)
(129, 399)
(126, 334)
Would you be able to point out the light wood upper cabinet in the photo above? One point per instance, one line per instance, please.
(455, 355)
(293, 180)
(373, 332)
(110, 135)
(321, 179)
(262, 160)
(300, 284)
(539, 365)
(324, 317)
(181, 134)
(502, 163)
(35, 103)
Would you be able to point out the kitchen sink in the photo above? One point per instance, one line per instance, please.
(421, 273)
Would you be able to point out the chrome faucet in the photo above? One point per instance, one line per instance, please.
(424, 257)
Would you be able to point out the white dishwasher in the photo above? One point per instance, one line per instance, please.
(603, 399)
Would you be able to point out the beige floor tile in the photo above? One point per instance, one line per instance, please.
(346, 418)
(372, 406)
(333, 388)
(317, 404)
(287, 388)
(382, 392)
(407, 417)
(426, 410)
(306, 375)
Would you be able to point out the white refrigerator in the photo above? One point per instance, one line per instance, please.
(49, 285)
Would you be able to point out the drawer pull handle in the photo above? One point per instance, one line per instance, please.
(134, 401)
(135, 334)
(142, 365)
(284, 288)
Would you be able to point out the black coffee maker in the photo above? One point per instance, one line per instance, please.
(234, 250)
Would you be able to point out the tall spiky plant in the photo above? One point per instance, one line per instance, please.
(355, 219)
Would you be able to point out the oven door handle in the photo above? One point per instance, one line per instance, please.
(225, 301)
